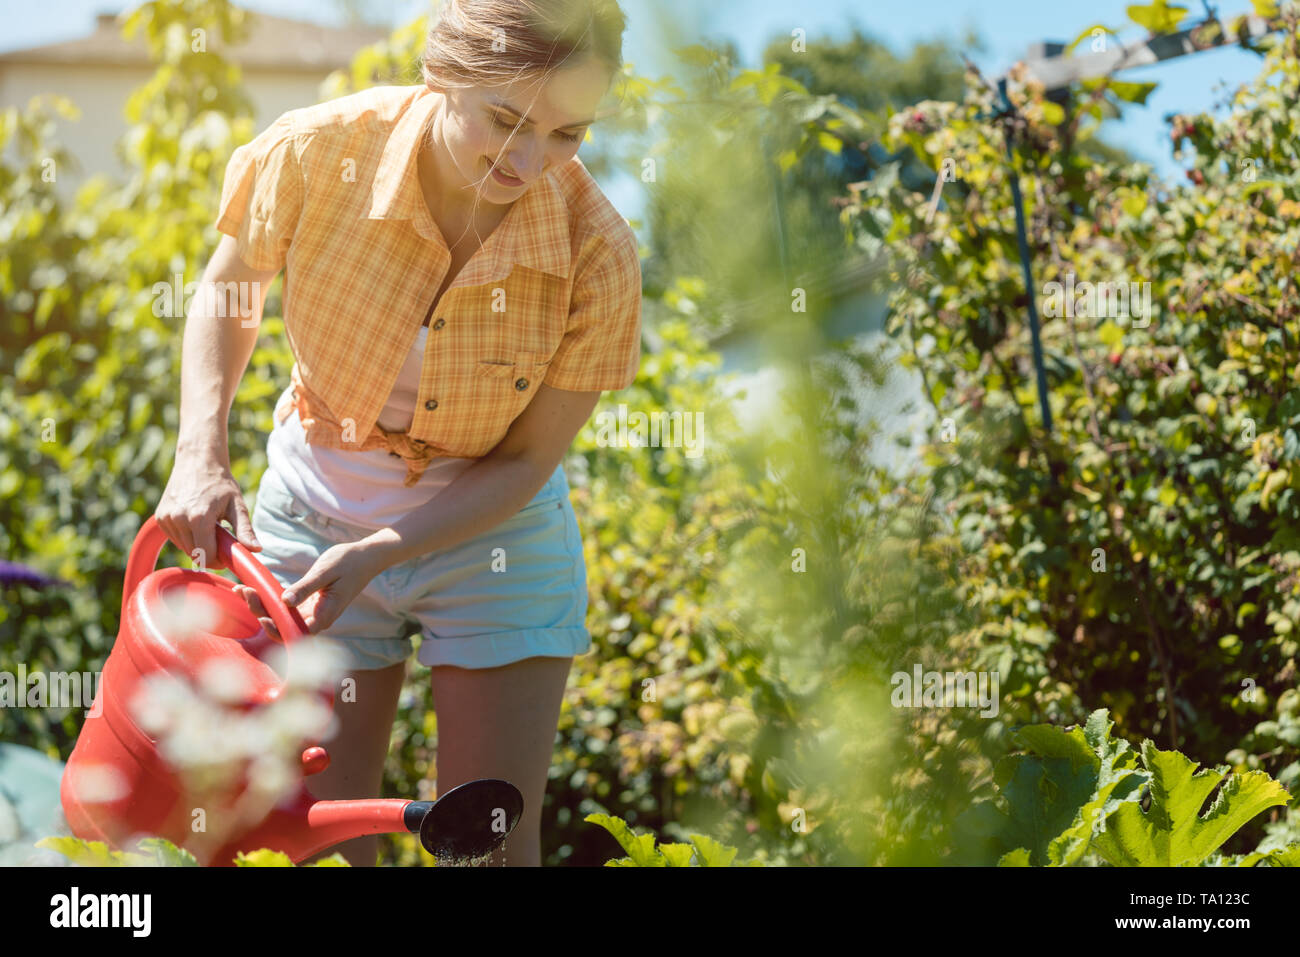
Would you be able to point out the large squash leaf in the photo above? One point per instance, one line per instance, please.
(1173, 832)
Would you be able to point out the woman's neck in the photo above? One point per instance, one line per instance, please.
(455, 205)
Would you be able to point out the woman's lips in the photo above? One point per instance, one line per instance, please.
(505, 179)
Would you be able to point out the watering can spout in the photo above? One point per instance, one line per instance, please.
(468, 821)
(332, 822)
(308, 826)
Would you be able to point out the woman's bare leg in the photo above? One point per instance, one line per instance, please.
(500, 723)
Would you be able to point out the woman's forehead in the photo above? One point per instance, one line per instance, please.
(567, 97)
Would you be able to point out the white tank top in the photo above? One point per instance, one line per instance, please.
(363, 488)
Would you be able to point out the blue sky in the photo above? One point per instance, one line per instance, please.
(1007, 27)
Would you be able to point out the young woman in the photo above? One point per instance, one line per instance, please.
(458, 293)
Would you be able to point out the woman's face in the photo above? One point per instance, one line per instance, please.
(520, 130)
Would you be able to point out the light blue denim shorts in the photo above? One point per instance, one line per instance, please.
(517, 591)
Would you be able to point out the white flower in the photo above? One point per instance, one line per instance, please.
(97, 783)
(272, 776)
(225, 680)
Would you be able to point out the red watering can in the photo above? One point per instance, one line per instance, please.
(118, 784)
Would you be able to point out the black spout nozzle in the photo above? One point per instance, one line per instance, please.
(413, 815)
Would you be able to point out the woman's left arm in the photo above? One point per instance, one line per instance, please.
(487, 493)
(493, 488)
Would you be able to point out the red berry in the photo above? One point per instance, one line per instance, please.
(1115, 358)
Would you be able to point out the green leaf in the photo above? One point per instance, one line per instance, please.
(1017, 858)
(83, 853)
(1131, 92)
(677, 855)
(263, 858)
(167, 854)
(1159, 17)
(640, 847)
(1276, 481)
(1110, 334)
(1133, 201)
(1118, 780)
(1043, 795)
(1053, 113)
(1056, 797)
(1288, 856)
(832, 144)
(1265, 8)
(334, 860)
(713, 854)
(1173, 833)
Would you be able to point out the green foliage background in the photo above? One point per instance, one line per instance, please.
(1174, 444)
(748, 605)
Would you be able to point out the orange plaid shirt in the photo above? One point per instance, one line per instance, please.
(331, 193)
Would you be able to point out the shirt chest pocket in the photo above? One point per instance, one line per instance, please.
(523, 374)
(502, 388)
(474, 403)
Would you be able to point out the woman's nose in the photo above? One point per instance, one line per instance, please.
(526, 161)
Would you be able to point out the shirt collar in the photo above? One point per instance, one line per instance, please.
(534, 233)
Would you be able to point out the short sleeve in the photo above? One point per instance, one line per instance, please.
(262, 196)
(601, 348)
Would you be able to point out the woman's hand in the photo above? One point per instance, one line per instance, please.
(200, 492)
(338, 576)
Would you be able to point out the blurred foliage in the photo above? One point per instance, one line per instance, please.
(89, 401)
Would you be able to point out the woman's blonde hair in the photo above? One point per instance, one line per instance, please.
(498, 42)
(491, 42)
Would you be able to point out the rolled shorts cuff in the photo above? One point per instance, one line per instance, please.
(503, 648)
(372, 654)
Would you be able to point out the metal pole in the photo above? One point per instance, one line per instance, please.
(1023, 240)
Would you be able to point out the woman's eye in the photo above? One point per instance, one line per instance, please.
(501, 124)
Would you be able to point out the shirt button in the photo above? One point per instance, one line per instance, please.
(439, 323)
(521, 384)
(431, 404)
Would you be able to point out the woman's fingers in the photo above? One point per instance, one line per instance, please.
(254, 600)
(255, 605)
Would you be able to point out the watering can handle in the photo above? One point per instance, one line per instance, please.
(145, 550)
(148, 545)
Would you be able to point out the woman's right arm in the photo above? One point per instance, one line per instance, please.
(215, 350)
